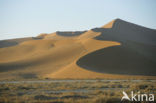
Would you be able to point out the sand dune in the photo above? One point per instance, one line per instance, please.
(117, 50)
(13, 42)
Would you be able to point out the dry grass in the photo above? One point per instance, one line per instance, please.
(71, 92)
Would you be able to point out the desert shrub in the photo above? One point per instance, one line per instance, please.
(142, 86)
(119, 86)
(44, 97)
(107, 100)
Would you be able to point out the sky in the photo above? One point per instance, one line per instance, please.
(27, 18)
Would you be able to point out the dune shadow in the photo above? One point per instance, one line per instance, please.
(21, 65)
(122, 31)
(118, 60)
(14, 66)
(70, 33)
(28, 75)
(14, 42)
(6, 43)
(37, 38)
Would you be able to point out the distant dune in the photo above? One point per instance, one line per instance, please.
(117, 50)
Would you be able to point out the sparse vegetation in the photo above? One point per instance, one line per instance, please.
(71, 92)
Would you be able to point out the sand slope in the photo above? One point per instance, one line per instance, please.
(117, 50)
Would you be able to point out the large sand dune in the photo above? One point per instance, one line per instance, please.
(117, 50)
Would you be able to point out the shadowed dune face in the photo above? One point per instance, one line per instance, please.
(76, 33)
(118, 60)
(14, 42)
(123, 31)
(27, 75)
(42, 35)
(62, 35)
(7, 43)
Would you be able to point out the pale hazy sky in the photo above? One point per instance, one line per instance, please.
(23, 18)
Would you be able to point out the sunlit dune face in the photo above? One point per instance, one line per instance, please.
(109, 25)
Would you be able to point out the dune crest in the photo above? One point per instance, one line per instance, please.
(110, 24)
